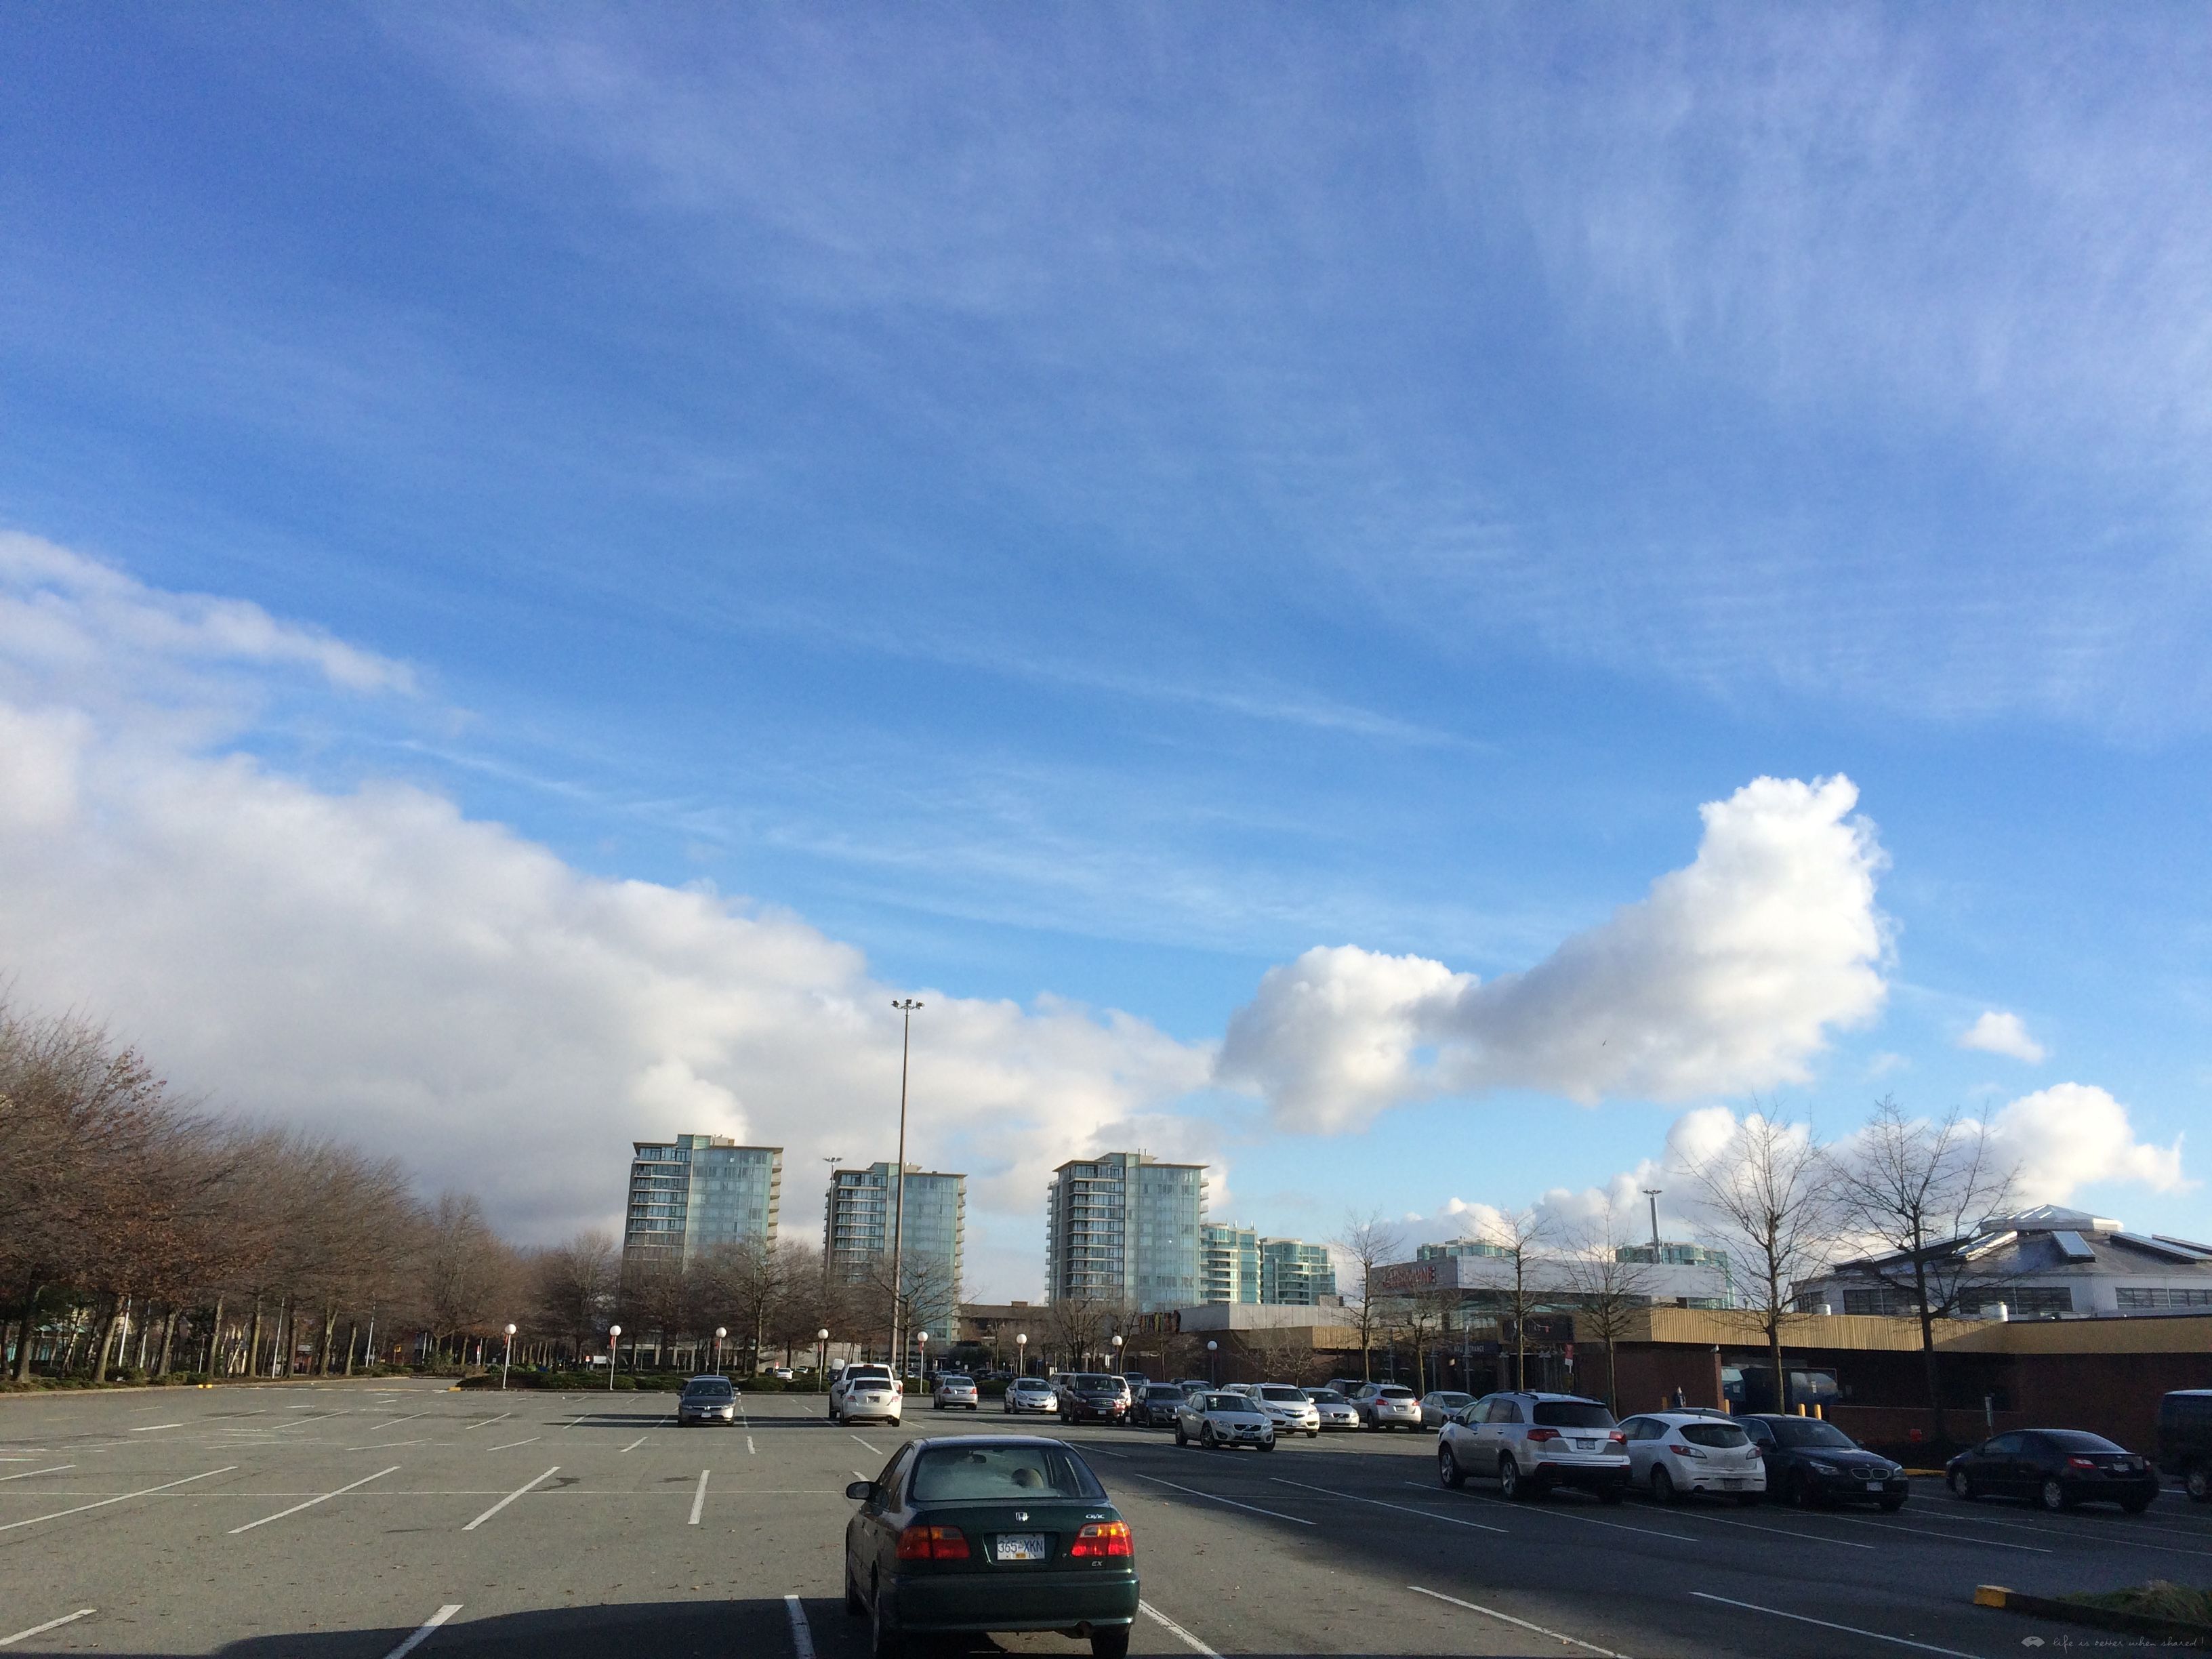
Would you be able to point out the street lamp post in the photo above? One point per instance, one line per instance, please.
(1213, 1362)
(906, 1008)
(614, 1336)
(1117, 1354)
(822, 1367)
(1022, 1347)
(921, 1337)
(507, 1359)
(720, 1331)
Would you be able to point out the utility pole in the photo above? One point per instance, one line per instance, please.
(905, 1008)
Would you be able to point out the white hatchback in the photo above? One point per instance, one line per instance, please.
(1674, 1453)
(864, 1391)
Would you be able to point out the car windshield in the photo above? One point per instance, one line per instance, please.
(1453, 1400)
(1007, 1473)
(1572, 1415)
(707, 1391)
(1108, 1384)
(1161, 1391)
(867, 1373)
(1283, 1391)
(2079, 1440)
(952, 1381)
(1227, 1402)
(1811, 1432)
(1712, 1434)
(1392, 1391)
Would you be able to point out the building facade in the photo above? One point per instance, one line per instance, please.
(1296, 1274)
(1123, 1228)
(1228, 1262)
(692, 1193)
(856, 1236)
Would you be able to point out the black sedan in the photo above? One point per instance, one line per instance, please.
(1094, 1397)
(1159, 1406)
(1810, 1462)
(989, 1532)
(2055, 1468)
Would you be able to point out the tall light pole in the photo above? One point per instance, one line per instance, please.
(906, 1008)
(1652, 1194)
(1212, 1365)
(1117, 1354)
(507, 1359)
(720, 1331)
(1022, 1348)
(821, 1370)
(922, 1337)
(614, 1336)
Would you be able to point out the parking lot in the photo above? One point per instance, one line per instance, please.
(367, 1520)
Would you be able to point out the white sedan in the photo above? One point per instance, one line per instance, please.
(1674, 1453)
(954, 1392)
(1032, 1394)
(1334, 1410)
(1224, 1420)
(1289, 1408)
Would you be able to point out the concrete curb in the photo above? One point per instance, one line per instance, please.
(2173, 1633)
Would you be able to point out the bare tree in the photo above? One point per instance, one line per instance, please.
(574, 1286)
(1922, 1189)
(1370, 1242)
(1519, 1237)
(1770, 1198)
(1609, 1293)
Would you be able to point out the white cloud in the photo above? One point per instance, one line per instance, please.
(2073, 1135)
(1726, 977)
(375, 964)
(1999, 1033)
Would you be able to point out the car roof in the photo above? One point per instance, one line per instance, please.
(1535, 1393)
(707, 1377)
(1687, 1416)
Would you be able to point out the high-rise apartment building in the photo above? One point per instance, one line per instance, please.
(689, 1195)
(1294, 1274)
(856, 1236)
(1123, 1228)
(1228, 1262)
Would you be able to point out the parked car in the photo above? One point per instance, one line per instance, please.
(1674, 1453)
(1059, 1381)
(864, 1391)
(1138, 1382)
(1156, 1408)
(1348, 1386)
(1439, 1403)
(781, 1373)
(1192, 1386)
(1032, 1394)
(2055, 1468)
(988, 1533)
(1094, 1397)
(1530, 1442)
(707, 1398)
(1334, 1410)
(1221, 1419)
(1809, 1462)
(2184, 1440)
(955, 1391)
(1293, 1412)
(1387, 1405)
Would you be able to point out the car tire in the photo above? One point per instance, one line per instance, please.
(1448, 1468)
(1510, 1486)
(1663, 1489)
(2053, 1495)
(1313, 1434)
(2197, 1482)
(1111, 1642)
(854, 1607)
(1206, 1437)
(1962, 1485)
(1799, 1493)
(885, 1641)
(1182, 1439)
(1268, 1444)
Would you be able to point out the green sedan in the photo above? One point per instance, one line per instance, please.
(989, 1532)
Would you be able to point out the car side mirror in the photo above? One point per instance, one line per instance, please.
(859, 1491)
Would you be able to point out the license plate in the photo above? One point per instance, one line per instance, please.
(1874, 1485)
(1585, 1445)
(1020, 1546)
(1732, 1482)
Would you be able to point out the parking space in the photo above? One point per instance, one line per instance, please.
(366, 1520)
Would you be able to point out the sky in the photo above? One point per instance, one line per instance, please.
(1425, 604)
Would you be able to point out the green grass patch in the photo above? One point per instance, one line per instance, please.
(2159, 1598)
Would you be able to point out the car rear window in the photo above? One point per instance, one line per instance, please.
(867, 1373)
(1391, 1391)
(1008, 1473)
(2079, 1440)
(1572, 1415)
(1713, 1434)
(1452, 1401)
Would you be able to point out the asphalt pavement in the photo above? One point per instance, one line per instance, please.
(378, 1520)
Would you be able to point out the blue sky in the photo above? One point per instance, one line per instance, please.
(1092, 503)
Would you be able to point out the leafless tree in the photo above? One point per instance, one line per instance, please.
(1526, 1287)
(573, 1285)
(1370, 1242)
(1923, 1187)
(1770, 1199)
(1609, 1294)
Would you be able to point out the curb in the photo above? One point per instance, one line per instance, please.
(2172, 1632)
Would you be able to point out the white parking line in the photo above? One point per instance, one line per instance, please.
(388, 1445)
(635, 1443)
(1493, 1612)
(119, 1498)
(2068, 1532)
(1852, 1630)
(1561, 1515)
(866, 1443)
(1779, 1532)
(1212, 1498)
(1948, 1537)
(312, 1501)
(802, 1637)
(512, 1444)
(750, 1452)
(51, 1624)
(1429, 1515)
(1176, 1630)
(485, 1424)
(397, 1421)
(27, 1473)
(699, 1499)
(504, 1502)
(148, 1428)
(422, 1634)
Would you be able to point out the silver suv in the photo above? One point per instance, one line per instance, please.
(1387, 1405)
(1530, 1442)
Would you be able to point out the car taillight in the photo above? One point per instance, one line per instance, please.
(1619, 1436)
(1543, 1434)
(921, 1543)
(1685, 1451)
(2080, 1463)
(1103, 1538)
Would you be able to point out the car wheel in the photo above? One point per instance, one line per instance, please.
(1313, 1434)
(2054, 1495)
(1510, 1487)
(1182, 1439)
(1268, 1444)
(2197, 1482)
(1800, 1493)
(1206, 1437)
(1110, 1642)
(1662, 1486)
(1962, 1485)
(885, 1641)
(854, 1607)
(1448, 1468)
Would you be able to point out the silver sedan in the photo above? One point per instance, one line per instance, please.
(1334, 1410)
(1032, 1394)
(954, 1393)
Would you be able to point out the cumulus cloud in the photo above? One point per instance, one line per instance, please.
(1726, 977)
(2073, 1135)
(1999, 1033)
(374, 964)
